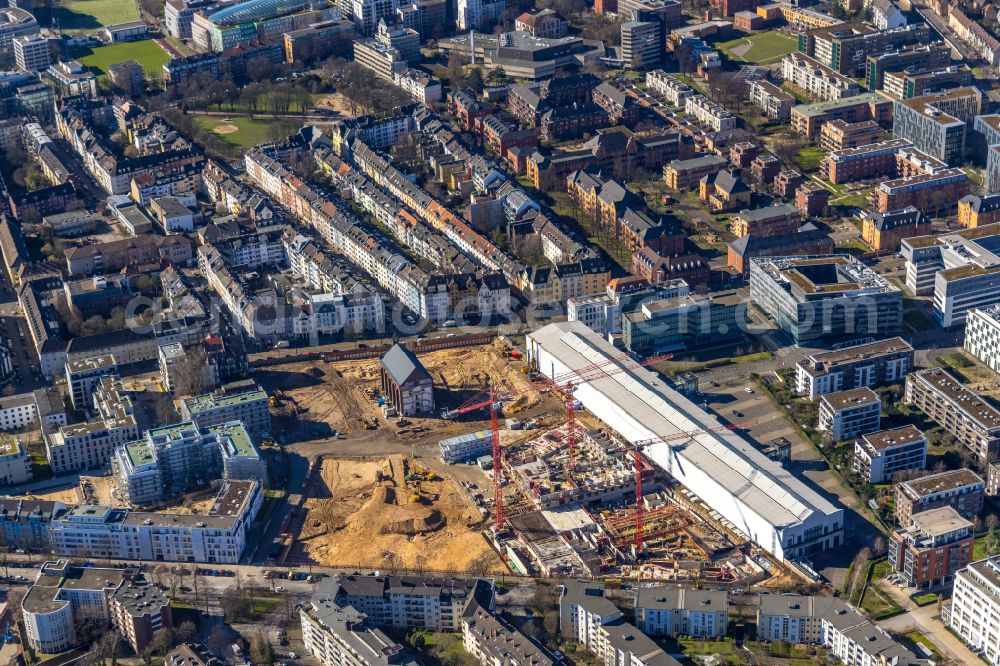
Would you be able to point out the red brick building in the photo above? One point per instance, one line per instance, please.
(812, 201)
(649, 264)
(764, 168)
(929, 551)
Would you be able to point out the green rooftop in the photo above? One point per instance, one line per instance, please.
(820, 108)
(208, 401)
(237, 439)
(9, 447)
(139, 453)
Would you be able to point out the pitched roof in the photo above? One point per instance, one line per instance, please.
(403, 365)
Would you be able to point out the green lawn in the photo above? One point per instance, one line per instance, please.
(809, 158)
(765, 47)
(92, 15)
(147, 53)
(250, 131)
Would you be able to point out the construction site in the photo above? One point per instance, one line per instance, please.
(392, 512)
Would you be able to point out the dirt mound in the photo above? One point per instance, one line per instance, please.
(382, 515)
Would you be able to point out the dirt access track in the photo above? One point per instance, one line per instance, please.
(319, 397)
(384, 512)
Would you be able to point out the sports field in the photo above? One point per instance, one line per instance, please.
(237, 130)
(92, 15)
(147, 53)
(762, 48)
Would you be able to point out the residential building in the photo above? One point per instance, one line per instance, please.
(932, 548)
(964, 414)
(319, 41)
(177, 15)
(128, 76)
(672, 611)
(845, 48)
(772, 101)
(31, 53)
(243, 401)
(469, 446)
(886, 231)
(862, 162)
(959, 268)
(542, 23)
(762, 222)
(685, 174)
(812, 201)
(217, 537)
(831, 622)
(961, 489)
(816, 79)
(724, 191)
(975, 609)
(90, 445)
(970, 31)
(916, 83)
(825, 298)
(850, 413)
(936, 123)
(668, 87)
(710, 114)
(15, 22)
(423, 88)
(71, 78)
(478, 14)
(82, 377)
(18, 412)
(406, 383)
(878, 456)
(384, 61)
(869, 364)
(65, 596)
(492, 640)
(15, 463)
(929, 56)
(806, 240)
(808, 119)
(886, 15)
(838, 135)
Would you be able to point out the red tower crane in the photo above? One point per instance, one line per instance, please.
(560, 382)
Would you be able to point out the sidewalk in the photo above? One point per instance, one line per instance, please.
(925, 619)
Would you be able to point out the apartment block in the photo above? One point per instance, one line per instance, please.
(870, 364)
(668, 87)
(15, 463)
(236, 402)
(862, 162)
(83, 376)
(845, 48)
(670, 611)
(772, 101)
(976, 210)
(816, 79)
(838, 135)
(878, 456)
(974, 613)
(708, 113)
(850, 413)
(961, 412)
(936, 123)
(961, 489)
(685, 174)
(762, 222)
(808, 119)
(886, 231)
(931, 56)
(916, 83)
(90, 445)
(932, 548)
(830, 622)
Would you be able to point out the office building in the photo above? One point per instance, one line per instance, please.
(886, 231)
(936, 123)
(31, 53)
(14, 23)
(672, 611)
(961, 412)
(878, 456)
(960, 268)
(83, 376)
(826, 298)
(869, 364)
(975, 210)
(478, 14)
(982, 335)
(850, 413)
(687, 321)
(932, 548)
(778, 512)
(235, 402)
(70, 78)
(961, 489)
(641, 46)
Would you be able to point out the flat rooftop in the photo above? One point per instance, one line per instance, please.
(940, 521)
(966, 401)
(208, 401)
(850, 398)
(888, 439)
(827, 361)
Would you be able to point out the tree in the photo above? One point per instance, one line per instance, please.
(108, 646)
(475, 80)
(481, 564)
(392, 562)
(188, 373)
(261, 651)
(218, 641)
(94, 326)
(163, 641)
(187, 632)
(234, 604)
(456, 68)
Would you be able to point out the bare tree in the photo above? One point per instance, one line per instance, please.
(481, 565)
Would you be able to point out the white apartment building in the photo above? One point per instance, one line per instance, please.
(31, 53)
(478, 14)
(672, 90)
(975, 607)
(817, 79)
(90, 445)
(709, 113)
(870, 364)
(419, 86)
(247, 404)
(18, 412)
(15, 463)
(342, 636)
(880, 455)
(850, 413)
(672, 611)
(218, 537)
(830, 622)
(83, 375)
(982, 335)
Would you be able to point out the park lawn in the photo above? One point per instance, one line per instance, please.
(765, 47)
(92, 15)
(809, 158)
(147, 53)
(250, 131)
